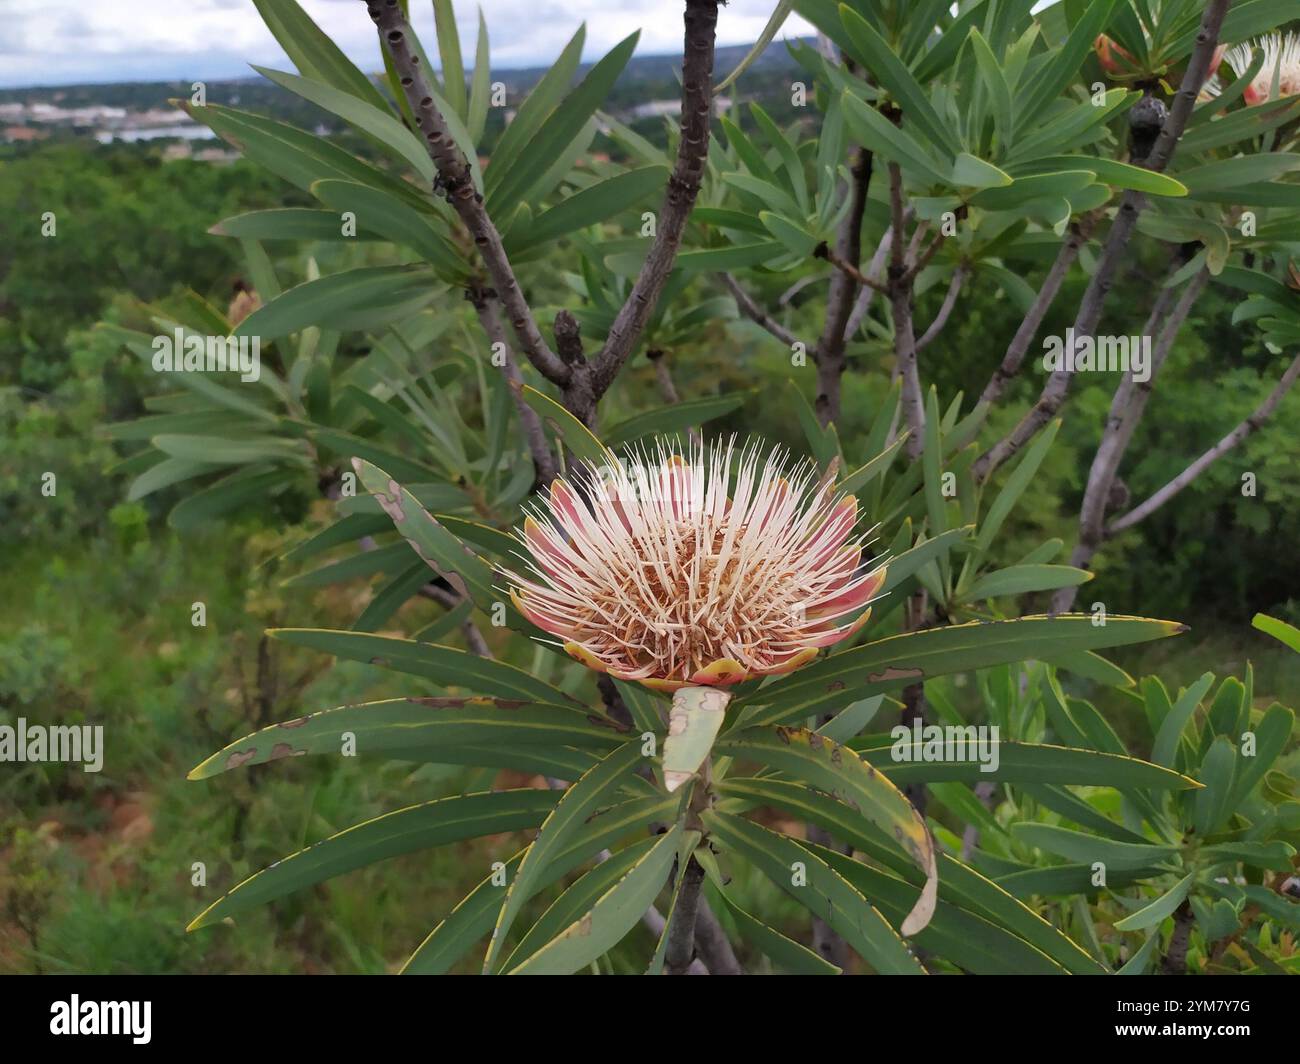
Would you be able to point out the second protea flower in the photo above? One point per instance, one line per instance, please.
(703, 570)
(1281, 65)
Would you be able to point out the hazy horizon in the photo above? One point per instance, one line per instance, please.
(54, 43)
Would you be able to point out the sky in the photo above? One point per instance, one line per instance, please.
(67, 42)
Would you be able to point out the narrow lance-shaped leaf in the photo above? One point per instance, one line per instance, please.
(613, 915)
(579, 802)
(417, 827)
(838, 771)
(399, 725)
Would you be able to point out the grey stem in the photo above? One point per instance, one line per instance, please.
(487, 306)
(753, 310)
(453, 168)
(829, 355)
(683, 186)
(1126, 410)
(1121, 230)
(681, 930)
(1249, 425)
(1028, 329)
(945, 310)
(900, 301)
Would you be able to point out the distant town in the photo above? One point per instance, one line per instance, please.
(140, 112)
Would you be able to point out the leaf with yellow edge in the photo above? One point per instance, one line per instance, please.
(839, 771)
(576, 436)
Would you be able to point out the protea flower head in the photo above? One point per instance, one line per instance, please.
(703, 570)
(1281, 62)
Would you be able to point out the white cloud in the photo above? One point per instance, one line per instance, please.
(48, 42)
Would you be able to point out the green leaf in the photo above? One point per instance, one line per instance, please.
(377, 123)
(779, 14)
(1163, 906)
(1042, 89)
(645, 707)
(394, 725)
(557, 131)
(1120, 175)
(229, 493)
(166, 473)
(289, 223)
(417, 827)
(971, 942)
(481, 87)
(825, 893)
(784, 952)
(420, 476)
(595, 203)
(1013, 489)
(1243, 170)
(352, 300)
(765, 189)
(453, 68)
(864, 475)
(874, 52)
(1171, 730)
(613, 915)
(1141, 960)
(587, 794)
(1272, 733)
(876, 132)
(838, 771)
(1080, 846)
(795, 238)
(1216, 773)
(474, 916)
(904, 761)
(891, 663)
(229, 452)
(540, 102)
(999, 93)
(1022, 190)
(849, 721)
(392, 596)
(1021, 579)
(394, 220)
(1287, 634)
(444, 666)
(970, 172)
(958, 883)
(300, 158)
(446, 555)
(576, 436)
(901, 566)
(667, 420)
(313, 53)
(1277, 855)
(391, 558)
